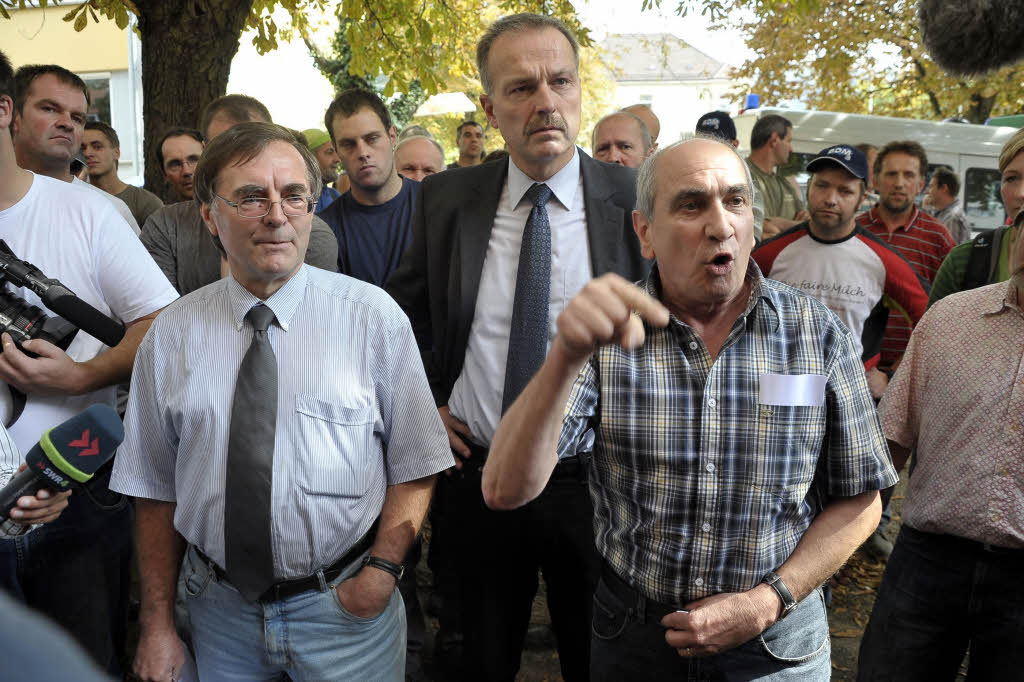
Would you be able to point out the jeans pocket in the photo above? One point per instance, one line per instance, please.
(348, 615)
(197, 575)
(610, 615)
(802, 635)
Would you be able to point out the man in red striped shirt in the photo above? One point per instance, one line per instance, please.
(900, 170)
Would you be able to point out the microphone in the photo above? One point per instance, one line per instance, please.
(66, 454)
(59, 298)
(972, 37)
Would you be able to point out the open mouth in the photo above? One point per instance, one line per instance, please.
(721, 264)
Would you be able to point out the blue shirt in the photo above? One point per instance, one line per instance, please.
(327, 197)
(372, 239)
(354, 413)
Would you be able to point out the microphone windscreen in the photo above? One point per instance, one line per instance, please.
(84, 443)
(971, 37)
(84, 316)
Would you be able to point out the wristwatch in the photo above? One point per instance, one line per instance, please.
(775, 581)
(397, 570)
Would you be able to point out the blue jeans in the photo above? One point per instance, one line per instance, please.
(625, 646)
(309, 636)
(76, 571)
(940, 594)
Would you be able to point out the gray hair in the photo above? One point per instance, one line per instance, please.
(440, 149)
(645, 134)
(646, 176)
(243, 143)
(518, 23)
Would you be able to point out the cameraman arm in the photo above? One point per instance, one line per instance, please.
(54, 373)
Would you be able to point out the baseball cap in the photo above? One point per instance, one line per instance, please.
(316, 138)
(718, 124)
(850, 158)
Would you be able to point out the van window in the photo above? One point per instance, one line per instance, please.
(982, 201)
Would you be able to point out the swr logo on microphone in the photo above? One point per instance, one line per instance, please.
(83, 442)
(52, 475)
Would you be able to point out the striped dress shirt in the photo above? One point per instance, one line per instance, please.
(703, 482)
(354, 413)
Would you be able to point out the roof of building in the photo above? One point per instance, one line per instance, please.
(659, 57)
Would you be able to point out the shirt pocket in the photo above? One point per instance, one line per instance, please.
(334, 444)
(787, 440)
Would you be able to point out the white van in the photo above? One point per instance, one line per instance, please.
(972, 151)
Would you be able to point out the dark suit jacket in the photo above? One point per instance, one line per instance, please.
(437, 280)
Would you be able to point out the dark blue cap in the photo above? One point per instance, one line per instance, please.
(717, 124)
(850, 158)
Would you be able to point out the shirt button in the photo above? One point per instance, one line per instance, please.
(710, 467)
(693, 345)
(712, 402)
(698, 582)
(706, 528)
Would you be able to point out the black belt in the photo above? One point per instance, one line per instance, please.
(965, 544)
(646, 610)
(574, 466)
(290, 588)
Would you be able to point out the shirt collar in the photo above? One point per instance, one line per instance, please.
(758, 292)
(562, 184)
(877, 218)
(1002, 303)
(283, 302)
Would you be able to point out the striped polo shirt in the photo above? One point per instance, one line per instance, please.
(923, 241)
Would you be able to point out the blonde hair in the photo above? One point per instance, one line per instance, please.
(1013, 147)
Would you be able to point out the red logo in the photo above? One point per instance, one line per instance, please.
(83, 442)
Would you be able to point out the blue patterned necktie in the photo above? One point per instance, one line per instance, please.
(528, 334)
(250, 465)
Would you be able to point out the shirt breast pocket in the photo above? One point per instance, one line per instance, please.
(335, 445)
(787, 442)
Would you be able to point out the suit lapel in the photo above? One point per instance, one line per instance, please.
(604, 218)
(475, 222)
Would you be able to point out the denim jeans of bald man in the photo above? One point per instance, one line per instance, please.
(628, 645)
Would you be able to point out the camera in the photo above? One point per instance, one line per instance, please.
(24, 321)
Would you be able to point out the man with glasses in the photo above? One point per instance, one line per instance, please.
(177, 154)
(293, 508)
(175, 235)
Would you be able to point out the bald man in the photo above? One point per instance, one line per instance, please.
(418, 156)
(646, 114)
(622, 138)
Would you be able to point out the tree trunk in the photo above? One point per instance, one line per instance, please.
(980, 107)
(187, 48)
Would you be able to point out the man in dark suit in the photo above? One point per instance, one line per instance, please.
(497, 252)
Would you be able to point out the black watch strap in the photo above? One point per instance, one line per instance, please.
(775, 581)
(397, 570)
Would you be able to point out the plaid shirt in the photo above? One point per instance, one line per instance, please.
(698, 487)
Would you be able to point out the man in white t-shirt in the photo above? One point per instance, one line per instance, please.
(74, 570)
(46, 136)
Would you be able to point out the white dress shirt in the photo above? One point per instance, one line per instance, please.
(354, 413)
(476, 396)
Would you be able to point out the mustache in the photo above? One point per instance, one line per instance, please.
(549, 121)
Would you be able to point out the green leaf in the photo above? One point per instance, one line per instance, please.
(70, 16)
(121, 17)
(82, 21)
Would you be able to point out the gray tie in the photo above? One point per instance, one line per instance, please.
(528, 335)
(250, 468)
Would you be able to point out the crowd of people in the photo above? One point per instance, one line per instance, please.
(665, 378)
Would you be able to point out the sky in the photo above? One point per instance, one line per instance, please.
(261, 76)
